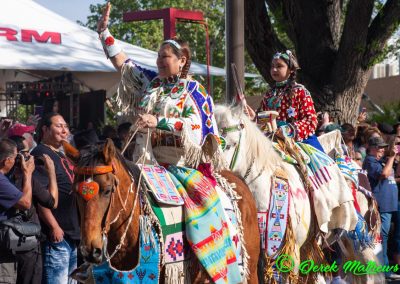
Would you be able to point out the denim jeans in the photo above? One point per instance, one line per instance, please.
(59, 260)
(385, 218)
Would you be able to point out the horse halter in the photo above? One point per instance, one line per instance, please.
(226, 130)
(89, 189)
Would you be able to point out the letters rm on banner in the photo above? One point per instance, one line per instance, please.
(26, 35)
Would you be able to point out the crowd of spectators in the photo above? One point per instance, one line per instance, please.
(36, 183)
(375, 149)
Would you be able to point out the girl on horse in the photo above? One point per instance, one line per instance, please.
(291, 100)
(297, 119)
(179, 113)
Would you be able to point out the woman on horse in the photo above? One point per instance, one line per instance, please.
(179, 113)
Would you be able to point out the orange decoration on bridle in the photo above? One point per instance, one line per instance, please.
(89, 189)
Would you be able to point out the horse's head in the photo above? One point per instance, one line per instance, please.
(230, 124)
(95, 181)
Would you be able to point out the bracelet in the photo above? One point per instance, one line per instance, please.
(110, 46)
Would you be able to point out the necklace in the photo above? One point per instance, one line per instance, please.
(66, 164)
(274, 102)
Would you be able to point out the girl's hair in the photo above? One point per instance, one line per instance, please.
(290, 59)
(180, 48)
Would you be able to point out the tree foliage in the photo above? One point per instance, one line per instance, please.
(149, 34)
(337, 43)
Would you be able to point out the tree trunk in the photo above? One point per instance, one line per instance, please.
(342, 104)
(336, 43)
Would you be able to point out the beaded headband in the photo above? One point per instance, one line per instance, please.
(284, 55)
(288, 57)
(174, 43)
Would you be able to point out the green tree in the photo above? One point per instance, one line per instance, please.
(149, 34)
(336, 41)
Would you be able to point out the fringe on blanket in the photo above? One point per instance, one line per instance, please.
(234, 197)
(310, 250)
(270, 261)
(178, 272)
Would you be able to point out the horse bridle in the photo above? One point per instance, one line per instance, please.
(101, 170)
(234, 128)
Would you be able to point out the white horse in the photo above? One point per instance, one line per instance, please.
(256, 161)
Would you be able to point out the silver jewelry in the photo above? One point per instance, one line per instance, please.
(174, 43)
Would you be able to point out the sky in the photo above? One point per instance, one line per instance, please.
(71, 9)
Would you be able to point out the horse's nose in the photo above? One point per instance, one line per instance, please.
(96, 253)
(84, 251)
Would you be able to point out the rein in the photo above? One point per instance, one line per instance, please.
(232, 164)
(226, 130)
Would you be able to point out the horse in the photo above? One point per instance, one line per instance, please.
(256, 161)
(114, 211)
(253, 157)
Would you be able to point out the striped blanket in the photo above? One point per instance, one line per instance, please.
(206, 227)
(333, 199)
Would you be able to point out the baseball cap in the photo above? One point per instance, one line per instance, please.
(19, 129)
(377, 142)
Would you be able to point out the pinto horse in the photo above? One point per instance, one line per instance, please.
(114, 209)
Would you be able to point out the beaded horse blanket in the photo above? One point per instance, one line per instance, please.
(331, 195)
(147, 270)
(207, 227)
(207, 223)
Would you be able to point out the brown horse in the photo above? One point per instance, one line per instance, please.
(108, 212)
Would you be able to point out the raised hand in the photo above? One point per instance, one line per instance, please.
(103, 22)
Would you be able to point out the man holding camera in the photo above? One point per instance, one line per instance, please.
(10, 199)
(384, 188)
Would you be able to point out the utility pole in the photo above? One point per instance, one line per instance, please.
(234, 27)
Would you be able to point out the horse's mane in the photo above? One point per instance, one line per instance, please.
(92, 155)
(256, 145)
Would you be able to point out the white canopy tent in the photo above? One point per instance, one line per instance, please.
(38, 43)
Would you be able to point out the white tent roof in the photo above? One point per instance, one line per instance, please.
(79, 48)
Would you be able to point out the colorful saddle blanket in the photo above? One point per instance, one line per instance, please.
(147, 270)
(160, 185)
(207, 228)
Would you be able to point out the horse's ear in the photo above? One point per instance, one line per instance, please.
(109, 151)
(71, 152)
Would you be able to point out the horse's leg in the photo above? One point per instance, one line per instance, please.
(251, 232)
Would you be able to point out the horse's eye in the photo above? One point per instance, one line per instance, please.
(107, 190)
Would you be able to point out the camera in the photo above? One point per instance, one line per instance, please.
(18, 159)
